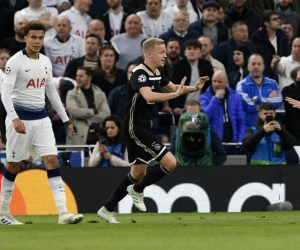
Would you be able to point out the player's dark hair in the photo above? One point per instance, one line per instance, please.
(266, 106)
(34, 25)
(95, 36)
(87, 70)
(193, 43)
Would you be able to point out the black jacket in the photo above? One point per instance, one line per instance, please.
(182, 69)
(251, 18)
(104, 17)
(292, 115)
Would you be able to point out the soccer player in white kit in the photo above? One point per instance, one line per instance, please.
(28, 75)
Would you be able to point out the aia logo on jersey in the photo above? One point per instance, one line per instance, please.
(80, 33)
(36, 84)
(64, 60)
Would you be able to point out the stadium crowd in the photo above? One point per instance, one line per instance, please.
(249, 49)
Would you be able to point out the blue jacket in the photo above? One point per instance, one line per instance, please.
(191, 34)
(213, 108)
(247, 88)
(268, 148)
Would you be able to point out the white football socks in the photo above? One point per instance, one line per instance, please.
(59, 194)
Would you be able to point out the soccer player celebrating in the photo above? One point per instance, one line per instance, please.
(143, 91)
(28, 75)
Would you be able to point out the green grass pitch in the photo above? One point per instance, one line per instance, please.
(224, 231)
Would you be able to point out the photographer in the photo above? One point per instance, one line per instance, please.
(110, 150)
(267, 139)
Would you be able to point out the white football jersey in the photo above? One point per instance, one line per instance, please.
(55, 2)
(170, 3)
(61, 53)
(193, 17)
(28, 78)
(79, 23)
(154, 28)
(32, 14)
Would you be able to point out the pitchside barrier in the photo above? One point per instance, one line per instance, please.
(188, 189)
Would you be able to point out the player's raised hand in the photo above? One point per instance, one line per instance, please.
(19, 126)
(179, 91)
(201, 81)
(293, 102)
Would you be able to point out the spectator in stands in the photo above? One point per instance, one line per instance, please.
(271, 40)
(267, 139)
(109, 76)
(209, 24)
(134, 5)
(13, 5)
(154, 20)
(117, 97)
(7, 18)
(207, 48)
(192, 67)
(171, 3)
(182, 6)
(257, 88)
(87, 107)
(225, 111)
(284, 65)
(63, 47)
(197, 5)
(110, 150)
(96, 26)
(60, 5)
(193, 123)
(285, 13)
(238, 10)
(78, 16)
(292, 115)
(16, 43)
(224, 51)
(221, 14)
(173, 53)
(35, 11)
(114, 18)
(180, 31)
(128, 44)
(240, 58)
(287, 27)
(5, 54)
(90, 59)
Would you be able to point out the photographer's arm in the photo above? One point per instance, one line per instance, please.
(96, 157)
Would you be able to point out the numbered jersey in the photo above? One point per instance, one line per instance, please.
(61, 53)
(28, 77)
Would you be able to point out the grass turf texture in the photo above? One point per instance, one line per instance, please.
(247, 230)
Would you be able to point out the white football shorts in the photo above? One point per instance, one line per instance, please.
(38, 141)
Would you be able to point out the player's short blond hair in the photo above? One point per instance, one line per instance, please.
(149, 44)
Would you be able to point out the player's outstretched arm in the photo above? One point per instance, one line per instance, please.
(151, 97)
(293, 102)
